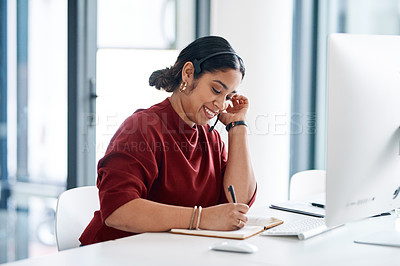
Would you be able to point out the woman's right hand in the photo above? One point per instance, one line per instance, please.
(224, 217)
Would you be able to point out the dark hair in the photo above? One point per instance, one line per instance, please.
(170, 78)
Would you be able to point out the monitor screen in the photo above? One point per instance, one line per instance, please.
(363, 134)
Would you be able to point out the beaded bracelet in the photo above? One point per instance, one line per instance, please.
(233, 124)
(192, 219)
(198, 218)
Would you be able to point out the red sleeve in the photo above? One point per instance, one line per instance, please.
(128, 169)
(253, 198)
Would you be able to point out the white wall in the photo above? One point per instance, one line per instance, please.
(261, 33)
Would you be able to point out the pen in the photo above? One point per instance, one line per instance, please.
(232, 191)
(319, 205)
(382, 214)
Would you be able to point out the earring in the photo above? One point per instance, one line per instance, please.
(183, 86)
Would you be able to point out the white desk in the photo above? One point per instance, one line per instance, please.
(335, 247)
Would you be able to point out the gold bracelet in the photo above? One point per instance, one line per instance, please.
(198, 218)
(192, 219)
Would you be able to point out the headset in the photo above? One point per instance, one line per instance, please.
(197, 63)
(216, 121)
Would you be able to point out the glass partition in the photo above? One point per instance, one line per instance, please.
(347, 16)
(36, 126)
(134, 39)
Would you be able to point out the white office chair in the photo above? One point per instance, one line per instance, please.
(75, 208)
(307, 183)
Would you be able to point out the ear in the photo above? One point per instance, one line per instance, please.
(188, 72)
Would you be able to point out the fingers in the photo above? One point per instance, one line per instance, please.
(239, 99)
(238, 102)
(227, 216)
(239, 217)
(243, 208)
(240, 224)
(241, 221)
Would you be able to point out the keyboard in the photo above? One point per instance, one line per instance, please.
(303, 228)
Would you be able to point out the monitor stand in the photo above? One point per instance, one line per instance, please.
(389, 238)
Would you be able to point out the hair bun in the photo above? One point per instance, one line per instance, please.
(161, 79)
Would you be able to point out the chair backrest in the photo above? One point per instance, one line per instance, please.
(75, 208)
(307, 183)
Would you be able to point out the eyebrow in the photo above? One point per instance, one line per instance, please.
(223, 85)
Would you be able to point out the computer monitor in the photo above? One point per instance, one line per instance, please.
(363, 134)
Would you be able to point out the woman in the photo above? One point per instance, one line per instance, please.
(166, 167)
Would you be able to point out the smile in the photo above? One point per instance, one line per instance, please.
(209, 113)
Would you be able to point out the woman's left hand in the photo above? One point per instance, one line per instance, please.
(236, 111)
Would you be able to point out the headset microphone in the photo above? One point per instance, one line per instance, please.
(212, 127)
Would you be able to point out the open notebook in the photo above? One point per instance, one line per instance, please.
(254, 226)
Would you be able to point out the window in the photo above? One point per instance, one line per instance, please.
(33, 150)
(135, 37)
(314, 21)
(347, 16)
(148, 38)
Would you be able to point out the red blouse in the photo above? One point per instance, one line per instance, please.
(155, 155)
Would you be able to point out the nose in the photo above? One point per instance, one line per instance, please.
(221, 103)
